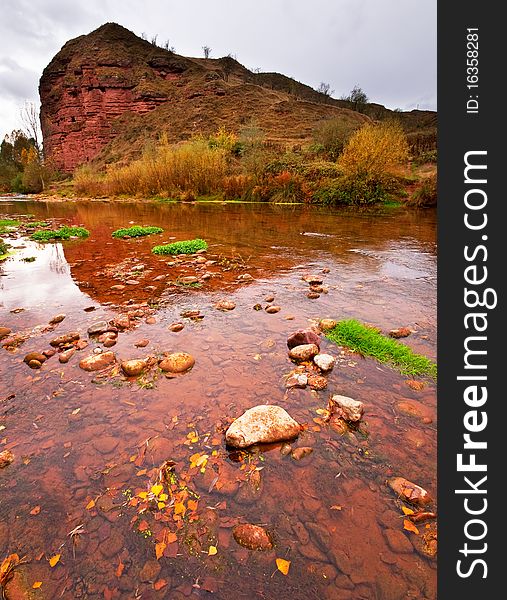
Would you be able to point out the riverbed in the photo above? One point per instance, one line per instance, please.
(86, 444)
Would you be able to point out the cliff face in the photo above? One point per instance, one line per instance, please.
(105, 95)
(93, 80)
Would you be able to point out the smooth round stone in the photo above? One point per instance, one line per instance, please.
(178, 362)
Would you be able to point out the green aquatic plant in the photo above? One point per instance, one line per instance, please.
(4, 248)
(64, 233)
(36, 224)
(183, 247)
(136, 231)
(8, 225)
(367, 340)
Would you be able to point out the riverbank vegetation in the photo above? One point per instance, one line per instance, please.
(368, 341)
(343, 166)
(183, 247)
(63, 233)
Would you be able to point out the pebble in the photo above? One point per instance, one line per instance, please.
(317, 382)
(133, 367)
(34, 364)
(66, 355)
(252, 537)
(67, 338)
(313, 279)
(141, 343)
(150, 571)
(57, 319)
(269, 299)
(327, 324)
(4, 332)
(6, 457)
(175, 327)
(98, 328)
(245, 277)
(105, 444)
(177, 362)
(401, 332)
(301, 452)
(225, 305)
(189, 279)
(303, 352)
(348, 408)
(398, 541)
(262, 424)
(37, 356)
(325, 362)
(313, 295)
(118, 287)
(271, 310)
(150, 320)
(96, 362)
(49, 353)
(297, 380)
(411, 492)
(303, 336)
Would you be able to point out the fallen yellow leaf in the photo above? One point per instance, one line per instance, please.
(37, 585)
(142, 495)
(409, 526)
(179, 508)
(407, 511)
(283, 565)
(336, 507)
(90, 505)
(156, 489)
(53, 561)
(212, 550)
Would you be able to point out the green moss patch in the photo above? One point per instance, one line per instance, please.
(64, 233)
(184, 247)
(369, 342)
(136, 231)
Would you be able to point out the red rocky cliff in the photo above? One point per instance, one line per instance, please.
(92, 81)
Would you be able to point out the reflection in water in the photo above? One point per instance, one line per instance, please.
(75, 441)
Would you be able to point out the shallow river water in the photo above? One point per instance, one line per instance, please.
(86, 444)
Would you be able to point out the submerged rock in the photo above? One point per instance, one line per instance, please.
(301, 337)
(411, 492)
(98, 328)
(327, 324)
(141, 343)
(262, 424)
(317, 382)
(313, 279)
(97, 362)
(175, 327)
(134, 367)
(301, 452)
(271, 310)
(348, 408)
(4, 332)
(6, 457)
(63, 340)
(38, 356)
(225, 305)
(401, 332)
(34, 364)
(303, 352)
(57, 319)
(177, 362)
(66, 355)
(252, 537)
(313, 295)
(325, 362)
(297, 380)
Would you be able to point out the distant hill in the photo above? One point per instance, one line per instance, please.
(105, 95)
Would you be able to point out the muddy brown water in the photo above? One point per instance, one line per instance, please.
(79, 438)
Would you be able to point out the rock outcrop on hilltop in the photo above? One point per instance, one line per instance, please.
(105, 95)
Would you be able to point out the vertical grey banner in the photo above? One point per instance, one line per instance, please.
(471, 292)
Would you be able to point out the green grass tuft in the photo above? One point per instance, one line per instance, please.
(184, 247)
(136, 231)
(36, 224)
(64, 233)
(369, 342)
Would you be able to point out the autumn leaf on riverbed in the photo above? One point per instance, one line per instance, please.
(6, 568)
(35, 510)
(407, 511)
(90, 505)
(53, 561)
(409, 526)
(37, 585)
(283, 565)
(158, 585)
(159, 549)
(212, 550)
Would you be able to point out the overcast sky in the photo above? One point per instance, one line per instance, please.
(387, 47)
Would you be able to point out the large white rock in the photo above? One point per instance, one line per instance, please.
(348, 408)
(325, 362)
(262, 424)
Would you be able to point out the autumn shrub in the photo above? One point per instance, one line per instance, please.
(236, 187)
(331, 136)
(285, 187)
(89, 182)
(426, 195)
(374, 150)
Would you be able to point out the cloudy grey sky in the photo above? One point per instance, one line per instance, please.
(387, 47)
